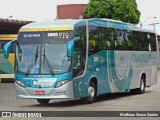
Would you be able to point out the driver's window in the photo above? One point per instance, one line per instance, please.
(79, 58)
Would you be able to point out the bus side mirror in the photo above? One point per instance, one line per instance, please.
(70, 46)
(7, 48)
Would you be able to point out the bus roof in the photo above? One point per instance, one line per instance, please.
(108, 23)
(54, 25)
(68, 24)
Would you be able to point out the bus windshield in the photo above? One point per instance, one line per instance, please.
(43, 52)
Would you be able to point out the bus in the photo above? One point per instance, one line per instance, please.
(81, 59)
(7, 66)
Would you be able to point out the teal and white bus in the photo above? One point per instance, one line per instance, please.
(81, 59)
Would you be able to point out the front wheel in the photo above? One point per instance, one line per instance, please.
(43, 101)
(91, 94)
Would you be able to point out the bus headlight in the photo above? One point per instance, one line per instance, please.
(62, 83)
(20, 83)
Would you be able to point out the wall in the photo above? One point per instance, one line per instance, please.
(70, 11)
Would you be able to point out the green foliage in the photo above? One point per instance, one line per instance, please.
(124, 10)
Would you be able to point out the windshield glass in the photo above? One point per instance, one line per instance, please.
(43, 53)
(59, 62)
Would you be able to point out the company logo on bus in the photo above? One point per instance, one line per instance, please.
(63, 35)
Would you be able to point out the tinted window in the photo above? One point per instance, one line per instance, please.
(2, 43)
(144, 41)
(104, 38)
(79, 51)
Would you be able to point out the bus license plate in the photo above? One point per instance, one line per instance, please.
(39, 93)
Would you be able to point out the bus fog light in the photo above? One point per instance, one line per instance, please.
(20, 83)
(61, 83)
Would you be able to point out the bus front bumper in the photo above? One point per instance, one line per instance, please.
(65, 92)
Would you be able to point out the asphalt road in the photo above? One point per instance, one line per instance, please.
(149, 101)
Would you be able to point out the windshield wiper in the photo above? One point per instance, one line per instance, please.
(47, 61)
(36, 55)
(33, 61)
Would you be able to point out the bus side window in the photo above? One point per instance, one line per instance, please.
(2, 43)
(1, 50)
(13, 47)
(92, 47)
(153, 42)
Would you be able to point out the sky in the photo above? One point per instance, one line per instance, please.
(39, 10)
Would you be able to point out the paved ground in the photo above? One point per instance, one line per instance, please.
(149, 101)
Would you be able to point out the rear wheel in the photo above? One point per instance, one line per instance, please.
(43, 101)
(141, 89)
(91, 94)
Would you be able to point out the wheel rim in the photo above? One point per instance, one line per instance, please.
(91, 92)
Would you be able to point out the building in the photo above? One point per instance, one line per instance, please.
(70, 11)
(10, 26)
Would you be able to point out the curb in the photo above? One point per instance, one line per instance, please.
(6, 80)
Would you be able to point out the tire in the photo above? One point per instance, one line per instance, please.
(91, 94)
(141, 89)
(43, 101)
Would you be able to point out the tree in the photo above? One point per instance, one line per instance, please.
(124, 10)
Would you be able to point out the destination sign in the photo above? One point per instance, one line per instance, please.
(31, 35)
(49, 37)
